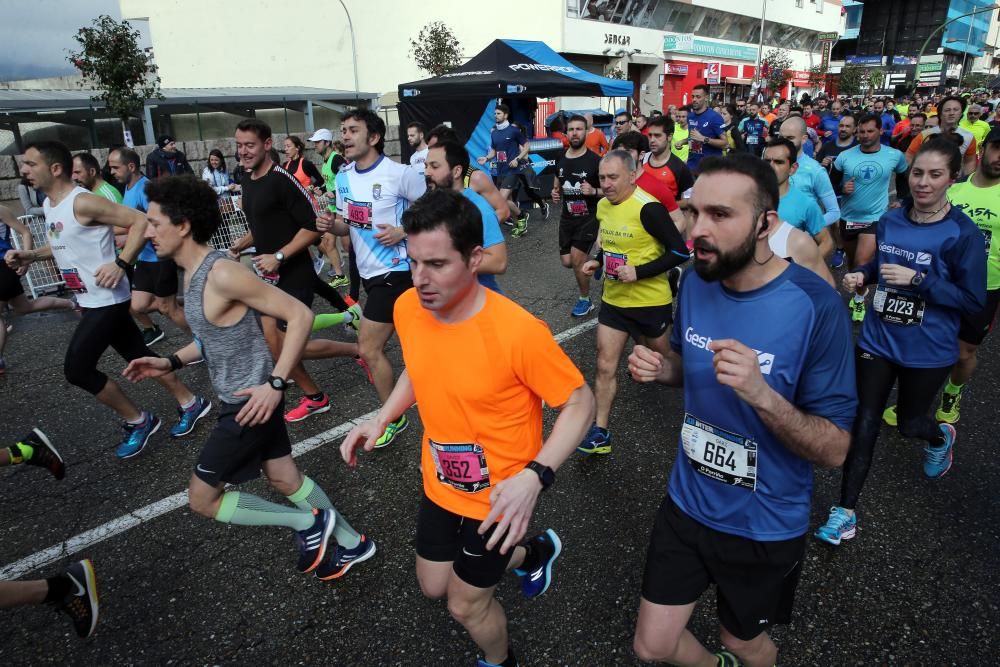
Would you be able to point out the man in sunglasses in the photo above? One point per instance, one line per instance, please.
(974, 123)
(623, 123)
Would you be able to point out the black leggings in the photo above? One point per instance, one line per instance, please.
(324, 291)
(99, 328)
(915, 395)
(352, 263)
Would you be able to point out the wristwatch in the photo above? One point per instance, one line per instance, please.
(544, 473)
(280, 256)
(917, 279)
(122, 264)
(277, 383)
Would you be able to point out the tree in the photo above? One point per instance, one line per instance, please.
(615, 72)
(875, 78)
(112, 63)
(851, 78)
(775, 68)
(436, 49)
(817, 77)
(976, 80)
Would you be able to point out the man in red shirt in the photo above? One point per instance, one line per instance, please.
(812, 120)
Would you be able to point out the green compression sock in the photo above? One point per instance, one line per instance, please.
(20, 453)
(953, 388)
(310, 495)
(327, 320)
(244, 509)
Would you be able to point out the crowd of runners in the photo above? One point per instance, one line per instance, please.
(713, 232)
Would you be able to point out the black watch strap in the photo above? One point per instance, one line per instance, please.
(277, 383)
(545, 473)
(175, 362)
(122, 264)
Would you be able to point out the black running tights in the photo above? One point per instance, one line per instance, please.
(324, 291)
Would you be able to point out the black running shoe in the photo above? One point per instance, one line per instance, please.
(152, 335)
(45, 455)
(82, 604)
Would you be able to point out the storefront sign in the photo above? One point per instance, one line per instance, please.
(713, 74)
(617, 40)
(675, 68)
(800, 78)
(687, 43)
(904, 60)
(678, 42)
(929, 67)
(866, 61)
(828, 37)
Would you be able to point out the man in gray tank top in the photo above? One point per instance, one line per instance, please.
(223, 303)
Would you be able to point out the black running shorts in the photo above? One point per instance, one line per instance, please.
(973, 328)
(382, 293)
(755, 581)
(444, 537)
(235, 453)
(579, 233)
(642, 322)
(849, 231)
(157, 278)
(10, 282)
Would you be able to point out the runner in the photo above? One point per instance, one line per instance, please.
(477, 179)
(754, 129)
(663, 164)
(829, 123)
(577, 186)
(445, 168)
(623, 123)
(810, 177)
(762, 349)
(372, 193)
(483, 456)
(844, 140)
(930, 271)
(949, 112)
(637, 145)
(795, 206)
(974, 123)
(596, 141)
(639, 244)
(87, 174)
(333, 161)
(704, 127)
(863, 173)
(282, 220)
(81, 242)
(73, 592)
(415, 137)
(509, 147)
(681, 147)
(224, 303)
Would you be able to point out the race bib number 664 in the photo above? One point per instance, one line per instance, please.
(718, 454)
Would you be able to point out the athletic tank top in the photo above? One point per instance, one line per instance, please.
(300, 174)
(779, 240)
(237, 356)
(79, 250)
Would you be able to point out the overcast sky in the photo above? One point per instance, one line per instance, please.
(38, 34)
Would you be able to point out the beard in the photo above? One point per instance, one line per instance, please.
(726, 264)
(446, 184)
(989, 171)
(576, 144)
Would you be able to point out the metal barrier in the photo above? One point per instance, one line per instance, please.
(43, 276)
(234, 224)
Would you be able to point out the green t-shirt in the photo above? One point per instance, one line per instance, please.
(680, 134)
(331, 165)
(983, 206)
(109, 192)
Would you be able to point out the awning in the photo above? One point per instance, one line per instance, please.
(738, 82)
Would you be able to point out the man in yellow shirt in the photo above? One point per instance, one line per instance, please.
(974, 123)
(681, 148)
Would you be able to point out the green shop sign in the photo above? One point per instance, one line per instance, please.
(688, 43)
(929, 67)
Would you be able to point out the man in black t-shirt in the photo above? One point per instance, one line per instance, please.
(282, 222)
(578, 186)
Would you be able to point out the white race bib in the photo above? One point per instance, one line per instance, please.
(721, 455)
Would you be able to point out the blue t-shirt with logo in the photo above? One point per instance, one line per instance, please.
(828, 123)
(507, 144)
(709, 123)
(800, 211)
(135, 197)
(491, 232)
(732, 473)
(917, 326)
(871, 173)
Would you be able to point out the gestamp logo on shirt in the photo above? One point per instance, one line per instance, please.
(924, 258)
(766, 362)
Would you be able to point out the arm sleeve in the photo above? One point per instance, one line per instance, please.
(901, 164)
(314, 176)
(965, 291)
(827, 197)
(657, 223)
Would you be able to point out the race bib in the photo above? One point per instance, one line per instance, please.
(857, 226)
(612, 262)
(359, 214)
(269, 277)
(696, 147)
(988, 233)
(460, 465)
(577, 207)
(897, 306)
(72, 279)
(501, 156)
(752, 140)
(718, 454)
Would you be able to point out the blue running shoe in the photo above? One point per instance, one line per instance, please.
(188, 419)
(137, 436)
(937, 460)
(312, 542)
(342, 560)
(583, 307)
(838, 258)
(840, 526)
(597, 441)
(536, 581)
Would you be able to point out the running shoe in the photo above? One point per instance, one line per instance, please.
(44, 455)
(342, 560)
(509, 221)
(152, 335)
(391, 431)
(332, 273)
(189, 418)
(307, 407)
(545, 210)
(3, 366)
(857, 310)
(597, 441)
(355, 311)
(312, 542)
(582, 308)
(82, 604)
(838, 258)
(948, 410)
(137, 436)
(535, 582)
(520, 226)
(889, 416)
(937, 460)
(340, 281)
(674, 279)
(842, 525)
(359, 360)
(727, 659)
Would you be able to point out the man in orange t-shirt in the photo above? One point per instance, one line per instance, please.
(596, 141)
(478, 366)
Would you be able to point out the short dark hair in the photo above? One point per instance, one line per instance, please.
(189, 198)
(129, 156)
(702, 86)
(757, 170)
(54, 152)
(946, 144)
(88, 161)
(576, 118)
(664, 122)
(451, 210)
(454, 154)
(919, 114)
(779, 141)
(255, 125)
(373, 123)
(623, 113)
(504, 108)
(631, 141)
(951, 98)
(442, 133)
(870, 118)
(418, 126)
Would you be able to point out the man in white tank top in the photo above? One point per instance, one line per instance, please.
(81, 241)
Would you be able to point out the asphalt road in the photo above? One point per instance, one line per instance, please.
(918, 586)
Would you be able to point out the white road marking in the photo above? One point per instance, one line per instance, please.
(137, 517)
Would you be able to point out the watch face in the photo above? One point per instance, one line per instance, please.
(276, 383)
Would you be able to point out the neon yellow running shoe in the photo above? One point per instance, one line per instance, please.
(948, 411)
(889, 416)
(391, 431)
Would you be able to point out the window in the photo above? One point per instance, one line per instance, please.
(798, 3)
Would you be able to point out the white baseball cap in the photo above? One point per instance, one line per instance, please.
(321, 134)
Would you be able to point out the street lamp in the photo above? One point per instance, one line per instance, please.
(354, 53)
(927, 41)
